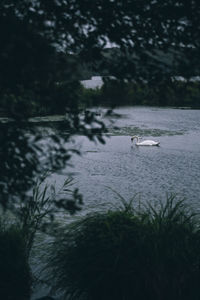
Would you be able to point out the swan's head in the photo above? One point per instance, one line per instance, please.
(133, 137)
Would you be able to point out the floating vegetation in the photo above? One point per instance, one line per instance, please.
(51, 118)
(130, 130)
(54, 122)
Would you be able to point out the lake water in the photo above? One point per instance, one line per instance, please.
(148, 172)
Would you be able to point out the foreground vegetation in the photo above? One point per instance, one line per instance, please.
(15, 273)
(131, 252)
(150, 253)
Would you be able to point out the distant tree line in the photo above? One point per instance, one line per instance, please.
(168, 93)
(115, 93)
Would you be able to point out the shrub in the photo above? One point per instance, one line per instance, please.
(128, 254)
(15, 275)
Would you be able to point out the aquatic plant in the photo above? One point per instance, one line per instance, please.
(129, 253)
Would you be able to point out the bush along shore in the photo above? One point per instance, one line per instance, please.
(149, 252)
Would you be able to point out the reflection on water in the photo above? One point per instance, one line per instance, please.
(151, 172)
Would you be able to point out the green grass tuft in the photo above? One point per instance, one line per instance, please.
(150, 253)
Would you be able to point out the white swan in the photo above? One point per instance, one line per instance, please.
(144, 143)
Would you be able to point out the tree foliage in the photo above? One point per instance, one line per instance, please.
(38, 36)
(45, 43)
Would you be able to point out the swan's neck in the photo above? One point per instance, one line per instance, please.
(137, 139)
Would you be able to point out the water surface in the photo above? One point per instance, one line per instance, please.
(149, 172)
